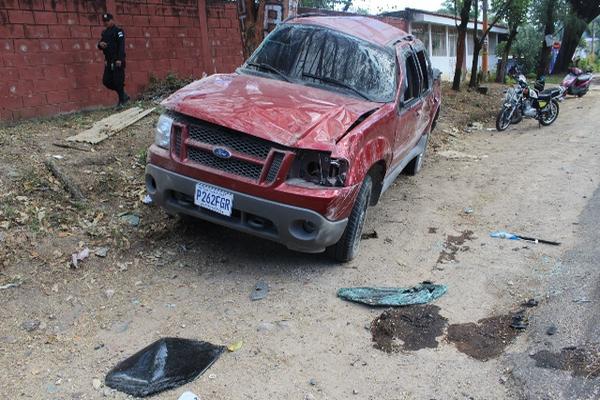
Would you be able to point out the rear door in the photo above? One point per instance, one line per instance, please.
(427, 98)
(409, 103)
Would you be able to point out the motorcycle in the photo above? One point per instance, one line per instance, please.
(524, 101)
(577, 82)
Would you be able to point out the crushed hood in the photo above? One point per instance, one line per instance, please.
(285, 113)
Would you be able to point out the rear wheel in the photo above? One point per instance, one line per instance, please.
(503, 119)
(348, 245)
(550, 114)
(416, 163)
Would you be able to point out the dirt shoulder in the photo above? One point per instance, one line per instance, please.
(62, 327)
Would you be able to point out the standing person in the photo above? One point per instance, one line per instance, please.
(112, 44)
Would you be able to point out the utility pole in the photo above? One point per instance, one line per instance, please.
(484, 49)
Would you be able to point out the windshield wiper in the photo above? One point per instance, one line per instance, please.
(269, 68)
(337, 83)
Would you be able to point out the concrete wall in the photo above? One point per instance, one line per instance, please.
(49, 62)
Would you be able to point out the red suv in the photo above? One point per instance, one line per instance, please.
(302, 138)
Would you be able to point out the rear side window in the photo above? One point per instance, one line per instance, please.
(424, 65)
(412, 79)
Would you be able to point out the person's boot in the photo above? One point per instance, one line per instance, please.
(123, 99)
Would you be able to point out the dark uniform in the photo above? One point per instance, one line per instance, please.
(114, 75)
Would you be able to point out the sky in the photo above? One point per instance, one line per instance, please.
(378, 6)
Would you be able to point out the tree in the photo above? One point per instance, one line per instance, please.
(548, 11)
(576, 22)
(516, 15)
(465, 8)
(478, 40)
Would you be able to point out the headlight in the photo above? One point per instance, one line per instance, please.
(162, 137)
(318, 168)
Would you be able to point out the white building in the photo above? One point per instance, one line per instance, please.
(438, 32)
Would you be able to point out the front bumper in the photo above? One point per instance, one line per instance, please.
(264, 218)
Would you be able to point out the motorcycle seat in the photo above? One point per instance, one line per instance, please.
(551, 92)
(584, 77)
(544, 96)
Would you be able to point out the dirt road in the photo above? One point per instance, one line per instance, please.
(62, 328)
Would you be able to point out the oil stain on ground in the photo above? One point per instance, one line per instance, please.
(581, 361)
(485, 339)
(410, 328)
(453, 245)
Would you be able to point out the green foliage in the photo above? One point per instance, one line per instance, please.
(326, 4)
(526, 47)
(160, 88)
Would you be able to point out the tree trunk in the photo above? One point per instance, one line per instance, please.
(501, 71)
(460, 42)
(474, 82)
(544, 59)
(574, 28)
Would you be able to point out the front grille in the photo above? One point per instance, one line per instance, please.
(231, 165)
(202, 137)
(275, 165)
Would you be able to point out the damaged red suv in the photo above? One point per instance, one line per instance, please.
(302, 138)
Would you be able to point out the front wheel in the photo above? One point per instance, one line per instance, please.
(550, 113)
(503, 119)
(348, 245)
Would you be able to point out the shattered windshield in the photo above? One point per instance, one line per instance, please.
(328, 59)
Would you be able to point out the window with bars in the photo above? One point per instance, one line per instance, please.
(452, 37)
(438, 41)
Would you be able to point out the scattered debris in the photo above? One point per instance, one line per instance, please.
(519, 321)
(458, 156)
(432, 230)
(265, 326)
(235, 346)
(261, 289)
(147, 199)
(485, 339)
(513, 236)
(165, 364)
(101, 251)
(58, 156)
(410, 328)
(12, 283)
(68, 184)
(369, 235)
(581, 301)
(552, 329)
(468, 210)
(129, 218)
(453, 245)
(96, 383)
(109, 293)
(31, 325)
(110, 125)
(80, 256)
(530, 303)
(380, 296)
(312, 382)
(581, 361)
(69, 146)
(189, 396)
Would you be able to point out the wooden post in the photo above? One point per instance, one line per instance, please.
(484, 49)
(206, 54)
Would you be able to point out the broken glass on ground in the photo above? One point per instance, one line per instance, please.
(389, 296)
(165, 364)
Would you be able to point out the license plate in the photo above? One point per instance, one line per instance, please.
(214, 199)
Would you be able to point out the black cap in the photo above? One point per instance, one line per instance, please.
(107, 17)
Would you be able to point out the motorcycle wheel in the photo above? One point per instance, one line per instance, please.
(548, 117)
(503, 120)
(517, 117)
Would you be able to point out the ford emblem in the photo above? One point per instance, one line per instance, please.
(221, 152)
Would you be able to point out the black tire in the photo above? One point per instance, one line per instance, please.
(416, 164)
(348, 245)
(550, 120)
(502, 121)
(517, 117)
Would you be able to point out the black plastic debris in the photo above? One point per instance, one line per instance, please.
(260, 291)
(369, 235)
(530, 303)
(165, 364)
(551, 330)
(519, 321)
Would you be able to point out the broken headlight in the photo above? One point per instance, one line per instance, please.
(318, 168)
(162, 136)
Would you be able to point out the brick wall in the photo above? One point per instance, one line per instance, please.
(49, 62)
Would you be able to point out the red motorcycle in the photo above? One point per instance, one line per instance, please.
(577, 82)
